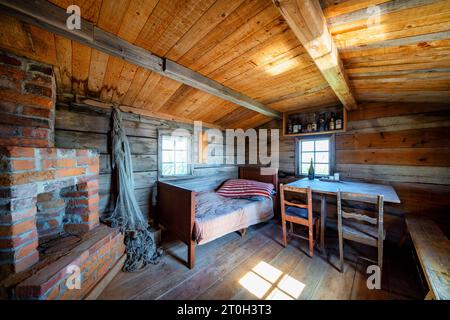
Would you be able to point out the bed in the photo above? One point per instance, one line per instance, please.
(201, 217)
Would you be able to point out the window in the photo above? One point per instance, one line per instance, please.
(175, 155)
(320, 150)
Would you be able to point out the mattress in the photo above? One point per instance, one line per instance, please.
(216, 216)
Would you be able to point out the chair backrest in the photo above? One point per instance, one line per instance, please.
(302, 191)
(378, 201)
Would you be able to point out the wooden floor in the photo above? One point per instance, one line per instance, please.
(258, 267)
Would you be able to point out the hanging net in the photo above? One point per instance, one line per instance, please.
(140, 246)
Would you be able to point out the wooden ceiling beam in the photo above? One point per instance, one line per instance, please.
(306, 19)
(50, 17)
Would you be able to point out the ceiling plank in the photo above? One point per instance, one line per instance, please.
(52, 18)
(306, 19)
(144, 112)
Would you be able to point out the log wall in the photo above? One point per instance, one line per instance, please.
(406, 145)
(81, 126)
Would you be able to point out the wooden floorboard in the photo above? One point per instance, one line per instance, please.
(257, 266)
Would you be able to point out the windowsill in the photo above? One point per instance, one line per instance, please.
(171, 178)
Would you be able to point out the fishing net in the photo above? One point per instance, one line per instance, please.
(140, 245)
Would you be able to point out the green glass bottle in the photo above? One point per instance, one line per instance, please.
(311, 174)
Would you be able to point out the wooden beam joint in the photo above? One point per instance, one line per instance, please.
(306, 19)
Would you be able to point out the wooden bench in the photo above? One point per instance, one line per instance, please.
(433, 250)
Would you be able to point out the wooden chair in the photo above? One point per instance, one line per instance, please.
(360, 227)
(298, 213)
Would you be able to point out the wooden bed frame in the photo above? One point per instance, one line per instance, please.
(176, 207)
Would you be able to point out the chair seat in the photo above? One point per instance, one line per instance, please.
(301, 213)
(361, 232)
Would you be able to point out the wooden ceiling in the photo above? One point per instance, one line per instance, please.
(406, 57)
(247, 46)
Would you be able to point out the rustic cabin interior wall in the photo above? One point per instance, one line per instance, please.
(402, 144)
(82, 126)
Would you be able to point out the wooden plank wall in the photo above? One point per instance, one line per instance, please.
(81, 126)
(406, 145)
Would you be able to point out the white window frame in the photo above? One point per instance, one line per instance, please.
(331, 154)
(190, 157)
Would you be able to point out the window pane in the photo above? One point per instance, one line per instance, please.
(322, 157)
(181, 143)
(322, 169)
(181, 156)
(167, 156)
(168, 169)
(307, 146)
(167, 142)
(181, 168)
(307, 156)
(305, 168)
(175, 155)
(322, 145)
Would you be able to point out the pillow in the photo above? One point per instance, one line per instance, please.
(241, 188)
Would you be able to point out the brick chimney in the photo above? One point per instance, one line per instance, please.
(66, 180)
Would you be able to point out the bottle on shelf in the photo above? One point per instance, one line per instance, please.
(314, 123)
(338, 121)
(296, 122)
(321, 122)
(332, 123)
(289, 126)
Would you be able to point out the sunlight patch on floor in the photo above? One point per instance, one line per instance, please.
(267, 282)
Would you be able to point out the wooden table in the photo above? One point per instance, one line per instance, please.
(325, 188)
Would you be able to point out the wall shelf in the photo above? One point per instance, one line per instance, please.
(307, 114)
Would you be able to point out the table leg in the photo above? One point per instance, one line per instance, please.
(323, 220)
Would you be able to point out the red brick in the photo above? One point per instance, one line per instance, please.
(11, 77)
(53, 294)
(19, 152)
(26, 262)
(18, 120)
(36, 112)
(78, 194)
(26, 99)
(14, 216)
(35, 133)
(16, 241)
(91, 217)
(18, 165)
(66, 163)
(48, 152)
(9, 130)
(25, 177)
(8, 107)
(70, 172)
(93, 169)
(87, 161)
(25, 142)
(82, 153)
(48, 164)
(17, 228)
(91, 201)
(89, 185)
(21, 252)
